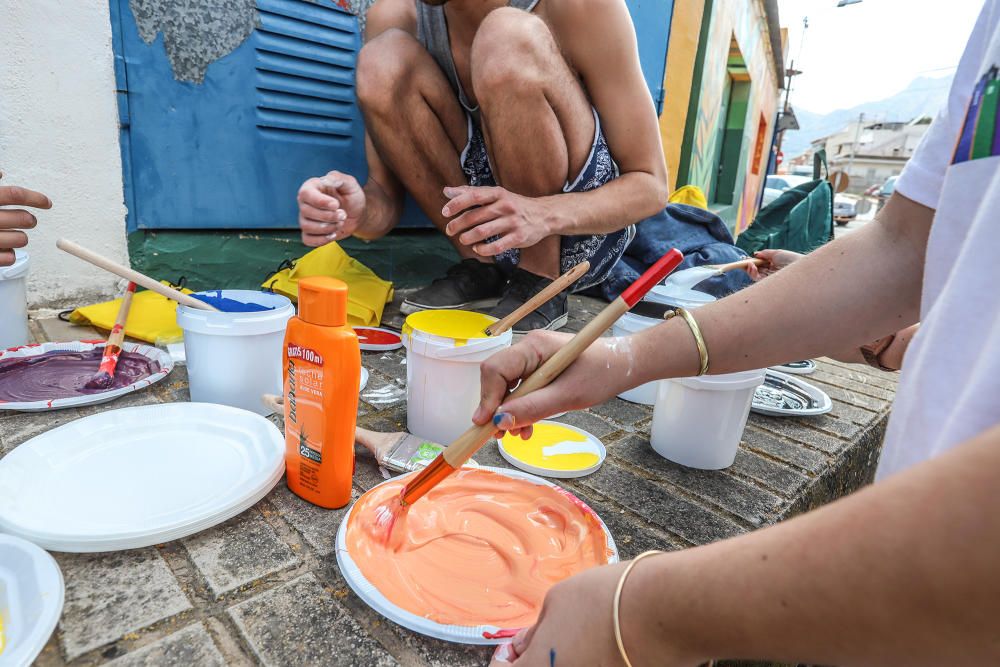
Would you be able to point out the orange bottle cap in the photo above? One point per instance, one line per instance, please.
(323, 301)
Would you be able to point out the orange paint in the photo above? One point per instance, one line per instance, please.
(322, 368)
(479, 549)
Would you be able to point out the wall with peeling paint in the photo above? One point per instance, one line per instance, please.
(59, 134)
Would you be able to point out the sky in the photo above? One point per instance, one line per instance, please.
(872, 50)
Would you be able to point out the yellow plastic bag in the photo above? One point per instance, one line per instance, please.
(152, 317)
(367, 294)
(690, 195)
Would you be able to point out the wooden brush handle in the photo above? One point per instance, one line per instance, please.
(469, 442)
(118, 330)
(130, 274)
(537, 301)
(723, 268)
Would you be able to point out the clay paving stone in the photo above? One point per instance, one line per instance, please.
(822, 375)
(862, 374)
(588, 422)
(745, 501)
(109, 595)
(300, 624)
(776, 476)
(318, 526)
(785, 450)
(801, 431)
(390, 364)
(850, 397)
(685, 519)
(239, 551)
(622, 412)
(185, 648)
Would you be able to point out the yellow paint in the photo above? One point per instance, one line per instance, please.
(462, 325)
(554, 447)
(2, 643)
(685, 30)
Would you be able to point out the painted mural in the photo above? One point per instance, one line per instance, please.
(745, 23)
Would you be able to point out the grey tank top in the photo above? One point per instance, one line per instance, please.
(432, 33)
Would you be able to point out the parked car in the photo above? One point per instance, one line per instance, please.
(845, 209)
(886, 192)
(775, 184)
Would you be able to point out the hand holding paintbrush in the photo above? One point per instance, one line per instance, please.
(452, 458)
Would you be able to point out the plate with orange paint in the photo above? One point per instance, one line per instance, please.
(477, 555)
(554, 450)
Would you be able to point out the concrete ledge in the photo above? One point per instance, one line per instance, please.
(264, 588)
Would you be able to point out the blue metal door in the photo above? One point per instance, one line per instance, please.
(226, 111)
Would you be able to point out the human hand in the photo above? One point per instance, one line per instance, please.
(776, 260)
(15, 219)
(481, 213)
(330, 208)
(598, 374)
(575, 627)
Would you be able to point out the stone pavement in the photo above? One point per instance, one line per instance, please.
(264, 587)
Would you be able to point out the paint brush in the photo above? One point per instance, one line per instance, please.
(112, 348)
(555, 287)
(399, 452)
(452, 458)
(688, 278)
(131, 275)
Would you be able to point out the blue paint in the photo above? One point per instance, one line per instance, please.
(552, 657)
(227, 305)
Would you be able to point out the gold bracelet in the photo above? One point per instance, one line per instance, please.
(618, 598)
(699, 340)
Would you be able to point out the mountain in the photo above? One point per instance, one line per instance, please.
(923, 97)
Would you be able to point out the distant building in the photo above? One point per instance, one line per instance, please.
(871, 152)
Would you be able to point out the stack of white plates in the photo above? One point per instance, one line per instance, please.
(138, 476)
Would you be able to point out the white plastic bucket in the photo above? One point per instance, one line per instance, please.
(630, 323)
(442, 381)
(14, 302)
(698, 422)
(234, 358)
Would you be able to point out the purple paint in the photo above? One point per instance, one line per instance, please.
(65, 374)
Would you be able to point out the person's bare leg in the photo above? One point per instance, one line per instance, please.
(536, 118)
(415, 121)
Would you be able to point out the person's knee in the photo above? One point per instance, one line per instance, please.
(510, 51)
(385, 65)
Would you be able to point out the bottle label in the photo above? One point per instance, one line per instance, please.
(305, 400)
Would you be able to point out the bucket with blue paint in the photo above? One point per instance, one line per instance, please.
(234, 354)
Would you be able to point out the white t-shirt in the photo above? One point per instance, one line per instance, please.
(949, 390)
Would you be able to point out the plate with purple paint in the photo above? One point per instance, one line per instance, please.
(51, 376)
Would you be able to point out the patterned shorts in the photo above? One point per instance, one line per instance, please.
(603, 250)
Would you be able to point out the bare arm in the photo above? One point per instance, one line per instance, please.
(796, 314)
(335, 206)
(901, 573)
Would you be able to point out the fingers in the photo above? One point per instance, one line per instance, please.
(342, 182)
(504, 655)
(498, 372)
(310, 212)
(502, 244)
(13, 239)
(7, 257)
(517, 415)
(467, 196)
(522, 639)
(485, 231)
(469, 221)
(17, 219)
(13, 195)
(317, 194)
(315, 240)
(753, 272)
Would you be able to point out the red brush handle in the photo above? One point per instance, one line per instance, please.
(657, 272)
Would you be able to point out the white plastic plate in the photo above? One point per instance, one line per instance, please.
(138, 476)
(594, 442)
(462, 634)
(156, 354)
(364, 379)
(804, 367)
(31, 599)
(823, 402)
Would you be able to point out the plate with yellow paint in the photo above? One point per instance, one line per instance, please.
(555, 450)
(31, 600)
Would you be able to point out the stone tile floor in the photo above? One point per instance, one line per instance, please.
(264, 587)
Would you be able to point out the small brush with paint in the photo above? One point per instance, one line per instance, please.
(456, 454)
(112, 349)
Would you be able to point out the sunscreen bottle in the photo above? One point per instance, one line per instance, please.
(322, 369)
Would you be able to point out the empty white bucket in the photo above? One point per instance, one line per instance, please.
(668, 296)
(235, 358)
(14, 302)
(698, 422)
(443, 351)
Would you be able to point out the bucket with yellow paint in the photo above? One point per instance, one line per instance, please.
(443, 351)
